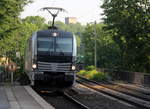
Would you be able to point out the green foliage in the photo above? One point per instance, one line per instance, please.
(128, 21)
(9, 15)
(90, 68)
(80, 58)
(100, 76)
(16, 43)
(91, 73)
(12, 30)
(88, 74)
(82, 72)
(36, 20)
(107, 50)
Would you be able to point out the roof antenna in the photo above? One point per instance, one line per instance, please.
(54, 15)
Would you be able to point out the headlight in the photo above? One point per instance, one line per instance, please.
(54, 34)
(34, 66)
(73, 67)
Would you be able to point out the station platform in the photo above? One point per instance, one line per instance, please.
(21, 97)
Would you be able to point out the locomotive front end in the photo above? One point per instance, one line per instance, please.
(55, 59)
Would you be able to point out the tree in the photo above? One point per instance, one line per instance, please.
(36, 20)
(107, 51)
(16, 42)
(9, 15)
(129, 23)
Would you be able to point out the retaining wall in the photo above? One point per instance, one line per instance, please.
(131, 77)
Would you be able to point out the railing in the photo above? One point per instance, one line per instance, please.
(131, 77)
(5, 76)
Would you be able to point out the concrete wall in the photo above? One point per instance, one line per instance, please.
(131, 77)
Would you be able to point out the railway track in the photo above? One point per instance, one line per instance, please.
(139, 101)
(134, 88)
(142, 90)
(62, 100)
(75, 101)
(127, 90)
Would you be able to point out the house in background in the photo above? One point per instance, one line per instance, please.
(3, 61)
(70, 20)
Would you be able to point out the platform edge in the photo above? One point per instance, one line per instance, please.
(38, 99)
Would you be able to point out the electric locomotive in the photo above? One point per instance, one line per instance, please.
(50, 56)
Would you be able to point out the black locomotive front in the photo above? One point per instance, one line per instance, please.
(50, 55)
(54, 59)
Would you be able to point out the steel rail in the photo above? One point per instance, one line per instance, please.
(67, 96)
(122, 89)
(121, 96)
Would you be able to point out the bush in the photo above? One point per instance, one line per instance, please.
(100, 76)
(82, 72)
(92, 73)
(89, 68)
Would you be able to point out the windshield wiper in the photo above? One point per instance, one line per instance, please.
(61, 52)
(49, 49)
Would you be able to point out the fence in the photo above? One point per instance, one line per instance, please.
(131, 77)
(5, 76)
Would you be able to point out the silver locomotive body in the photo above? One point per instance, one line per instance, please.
(50, 58)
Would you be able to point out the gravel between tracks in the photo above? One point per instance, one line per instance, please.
(58, 101)
(97, 101)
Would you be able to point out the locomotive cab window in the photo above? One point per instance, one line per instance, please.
(64, 45)
(57, 45)
(46, 44)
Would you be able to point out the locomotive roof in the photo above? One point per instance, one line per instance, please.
(48, 32)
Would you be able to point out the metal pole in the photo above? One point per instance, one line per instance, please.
(95, 47)
(12, 77)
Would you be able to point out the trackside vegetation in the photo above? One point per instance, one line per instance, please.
(128, 21)
(123, 36)
(90, 72)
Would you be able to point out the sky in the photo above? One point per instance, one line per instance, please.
(85, 11)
